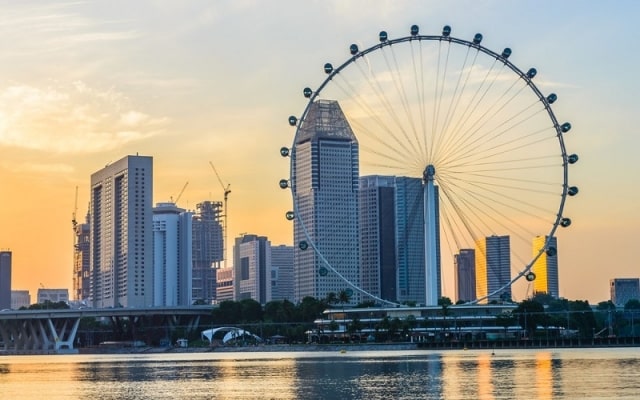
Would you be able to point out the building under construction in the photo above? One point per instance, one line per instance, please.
(208, 249)
(81, 272)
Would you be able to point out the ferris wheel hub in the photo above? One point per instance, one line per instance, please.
(429, 173)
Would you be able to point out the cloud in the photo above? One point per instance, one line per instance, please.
(75, 118)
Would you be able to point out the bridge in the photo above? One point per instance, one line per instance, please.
(54, 331)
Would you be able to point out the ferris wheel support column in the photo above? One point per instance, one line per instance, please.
(430, 238)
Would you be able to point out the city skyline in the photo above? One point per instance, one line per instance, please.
(83, 85)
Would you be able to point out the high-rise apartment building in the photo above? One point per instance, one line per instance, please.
(281, 273)
(208, 250)
(465, 275)
(325, 187)
(121, 238)
(172, 262)
(251, 260)
(81, 265)
(546, 267)
(624, 289)
(5, 279)
(493, 268)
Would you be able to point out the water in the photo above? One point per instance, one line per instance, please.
(371, 375)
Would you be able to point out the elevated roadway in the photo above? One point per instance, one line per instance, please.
(54, 331)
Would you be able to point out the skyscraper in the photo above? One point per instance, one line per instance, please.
(392, 237)
(5, 279)
(325, 186)
(623, 290)
(251, 258)
(281, 273)
(81, 267)
(171, 256)
(208, 248)
(493, 268)
(378, 236)
(409, 212)
(121, 239)
(545, 267)
(465, 275)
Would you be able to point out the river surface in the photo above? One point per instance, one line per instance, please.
(371, 375)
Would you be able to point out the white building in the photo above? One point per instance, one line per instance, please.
(172, 256)
(121, 240)
(325, 188)
(53, 295)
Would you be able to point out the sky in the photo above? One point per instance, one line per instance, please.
(83, 84)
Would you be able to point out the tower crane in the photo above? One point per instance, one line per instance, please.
(180, 194)
(74, 222)
(226, 197)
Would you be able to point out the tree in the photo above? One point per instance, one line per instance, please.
(331, 298)
(530, 314)
(251, 310)
(633, 304)
(445, 303)
(505, 320)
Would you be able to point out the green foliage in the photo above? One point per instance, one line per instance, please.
(633, 304)
(49, 305)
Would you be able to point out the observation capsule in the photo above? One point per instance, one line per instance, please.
(383, 36)
(353, 49)
(566, 127)
(530, 277)
(506, 53)
(552, 98)
(572, 190)
(307, 92)
(284, 151)
(446, 31)
(477, 38)
(284, 183)
(328, 68)
(303, 245)
(531, 73)
(572, 159)
(293, 120)
(322, 271)
(551, 251)
(414, 30)
(565, 222)
(290, 215)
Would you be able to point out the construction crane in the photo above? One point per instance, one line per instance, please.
(226, 197)
(180, 194)
(74, 222)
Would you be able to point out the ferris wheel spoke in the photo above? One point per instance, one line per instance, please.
(486, 203)
(458, 131)
(398, 83)
(481, 127)
(383, 127)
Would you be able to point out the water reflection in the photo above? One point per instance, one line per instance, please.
(508, 374)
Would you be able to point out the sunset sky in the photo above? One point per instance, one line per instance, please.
(83, 84)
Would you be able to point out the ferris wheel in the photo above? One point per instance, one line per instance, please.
(464, 121)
